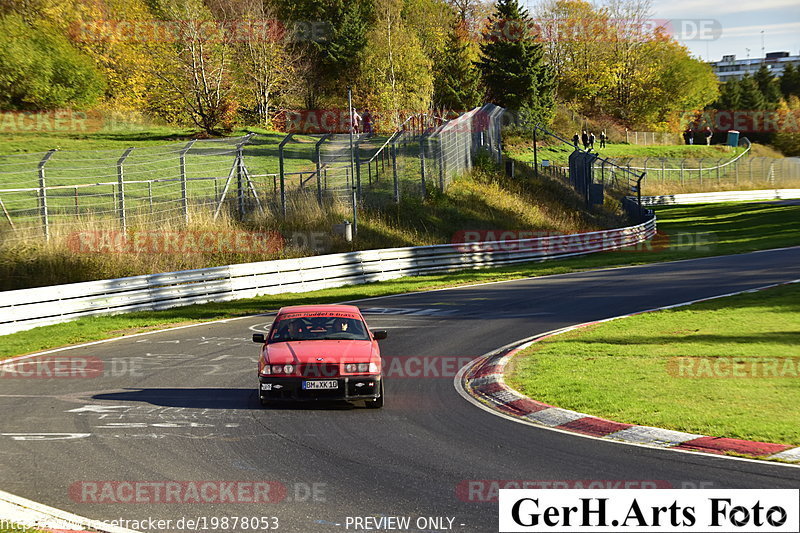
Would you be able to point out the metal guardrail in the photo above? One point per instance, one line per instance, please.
(724, 196)
(28, 308)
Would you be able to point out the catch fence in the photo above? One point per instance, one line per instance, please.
(52, 193)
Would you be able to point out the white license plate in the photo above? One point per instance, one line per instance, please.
(314, 385)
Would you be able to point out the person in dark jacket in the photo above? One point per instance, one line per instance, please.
(585, 140)
(576, 139)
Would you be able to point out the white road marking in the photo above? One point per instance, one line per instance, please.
(46, 436)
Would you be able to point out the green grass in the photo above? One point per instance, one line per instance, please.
(559, 154)
(626, 370)
(726, 229)
(20, 529)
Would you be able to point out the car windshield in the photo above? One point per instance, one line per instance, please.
(318, 328)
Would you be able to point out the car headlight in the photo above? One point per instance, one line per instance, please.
(360, 368)
(282, 369)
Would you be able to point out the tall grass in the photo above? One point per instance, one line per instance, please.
(484, 199)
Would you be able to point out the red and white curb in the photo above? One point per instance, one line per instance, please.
(29, 514)
(482, 379)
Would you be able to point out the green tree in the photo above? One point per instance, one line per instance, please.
(730, 97)
(768, 86)
(790, 81)
(457, 83)
(330, 56)
(40, 69)
(512, 64)
(752, 97)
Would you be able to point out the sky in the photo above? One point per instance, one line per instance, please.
(731, 26)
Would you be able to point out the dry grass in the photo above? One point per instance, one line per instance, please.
(482, 200)
(657, 188)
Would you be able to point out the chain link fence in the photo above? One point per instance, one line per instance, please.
(55, 192)
(645, 138)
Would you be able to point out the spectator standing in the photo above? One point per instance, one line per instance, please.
(585, 140)
(355, 122)
(591, 141)
(603, 139)
(576, 139)
(708, 133)
(686, 134)
(367, 122)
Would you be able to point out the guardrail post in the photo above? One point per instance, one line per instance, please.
(121, 188)
(184, 192)
(43, 194)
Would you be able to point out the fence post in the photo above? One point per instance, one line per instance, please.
(282, 173)
(184, 195)
(663, 169)
(43, 194)
(317, 148)
(394, 172)
(441, 164)
(240, 190)
(700, 172)
(121, 188)
(77, 210)
(683, 162)
(422, 163)
(719, 164)
(150, 194)
(357, 162)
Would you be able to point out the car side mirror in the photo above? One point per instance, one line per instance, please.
(379, 334)
(259, 338)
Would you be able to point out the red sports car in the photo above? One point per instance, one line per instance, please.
(320, 352)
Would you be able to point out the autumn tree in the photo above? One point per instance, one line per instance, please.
(40, 69)
(193, 71)
(395, 72)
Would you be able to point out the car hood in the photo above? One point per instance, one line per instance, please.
(333, 351)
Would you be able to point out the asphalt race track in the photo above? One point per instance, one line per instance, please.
(182, 405)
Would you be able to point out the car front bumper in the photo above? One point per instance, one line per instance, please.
(291, 388)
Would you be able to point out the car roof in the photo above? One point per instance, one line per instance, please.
(328, 308)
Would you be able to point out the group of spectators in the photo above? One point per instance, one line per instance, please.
(587, 139)
(688, 135)
(361, 123)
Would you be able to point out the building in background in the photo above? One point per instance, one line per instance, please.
(732, 68)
